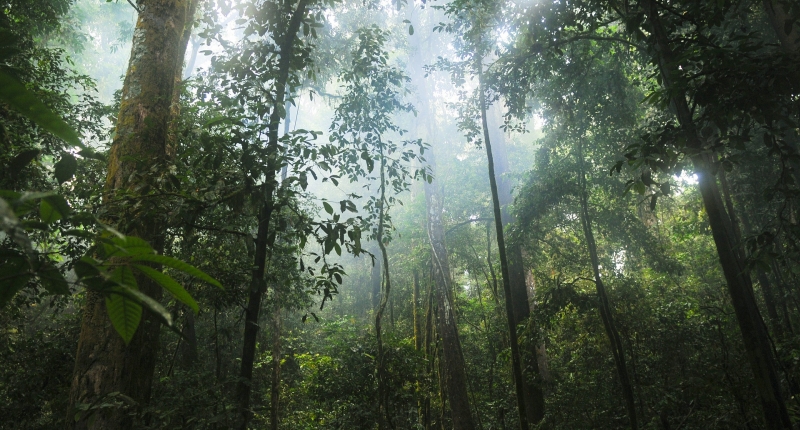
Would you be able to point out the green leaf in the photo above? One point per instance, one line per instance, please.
(170, 285)
(52, 280)
(131, 245)
(14, 93)
(123, 275)
(14, 275)
(47, 213)
(328, 207)
(178, 265)
(148, 302)
(124, 314)
(66, 167)
(410, 30)
(21, 160)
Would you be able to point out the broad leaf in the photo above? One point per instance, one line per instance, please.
(125, 315)
(178, 265)
(14, 275)
(148, 302)
(52, 280)
(170, 285)
(47, 213)
(21, 160)
(66, 167)
(14, 93)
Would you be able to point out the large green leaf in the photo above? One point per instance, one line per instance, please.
(125, 246)
(146, 301)
(48, 213)
(170, 285)
(14, 93)
(124, 314)
(123, 275)
(66, 167)
(52, 279)
(178, 265)
(21, 160)
(14, 275)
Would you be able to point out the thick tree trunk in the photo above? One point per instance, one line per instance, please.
(455, 376)
(534, 397)
(264, 237)
(516, 365)
(740, 288)
(605, 306)
(103, 363)
(777, 17)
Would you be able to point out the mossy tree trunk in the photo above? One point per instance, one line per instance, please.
(455, 375)
(103, 363)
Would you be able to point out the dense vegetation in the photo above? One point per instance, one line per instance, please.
(336, 214)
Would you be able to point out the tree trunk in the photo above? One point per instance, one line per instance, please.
(275, 389)
(740, 288)
(534, 397)
(516, 366)
(455, 375)
(264, 237)
(767, 290)
(375, 283)
(415, 312)
(103, 363)
(383, 392)
(777, 17)
(605, 306)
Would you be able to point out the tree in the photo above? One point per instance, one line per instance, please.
(104, 363)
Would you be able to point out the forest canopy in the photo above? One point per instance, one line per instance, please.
(441, 214)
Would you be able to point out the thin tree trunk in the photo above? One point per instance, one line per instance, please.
(415, 312)
(276, 366)
(534, 397)
(516, 365)
(605, 306)
(426, 416)
(263, 235)
(384, 415)
(375, 283)
(740, 288)
(455, 376)
(767, 291)
(103, 363)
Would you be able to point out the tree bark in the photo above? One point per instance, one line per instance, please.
(264, 237)
(103, 363)
(740, 288)
(516, 366)
(415, 312)
(275, 388)
(455, 375)
(384, 415)
(605, 306)
(767, 290)
(777, 17)
(375, 283)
